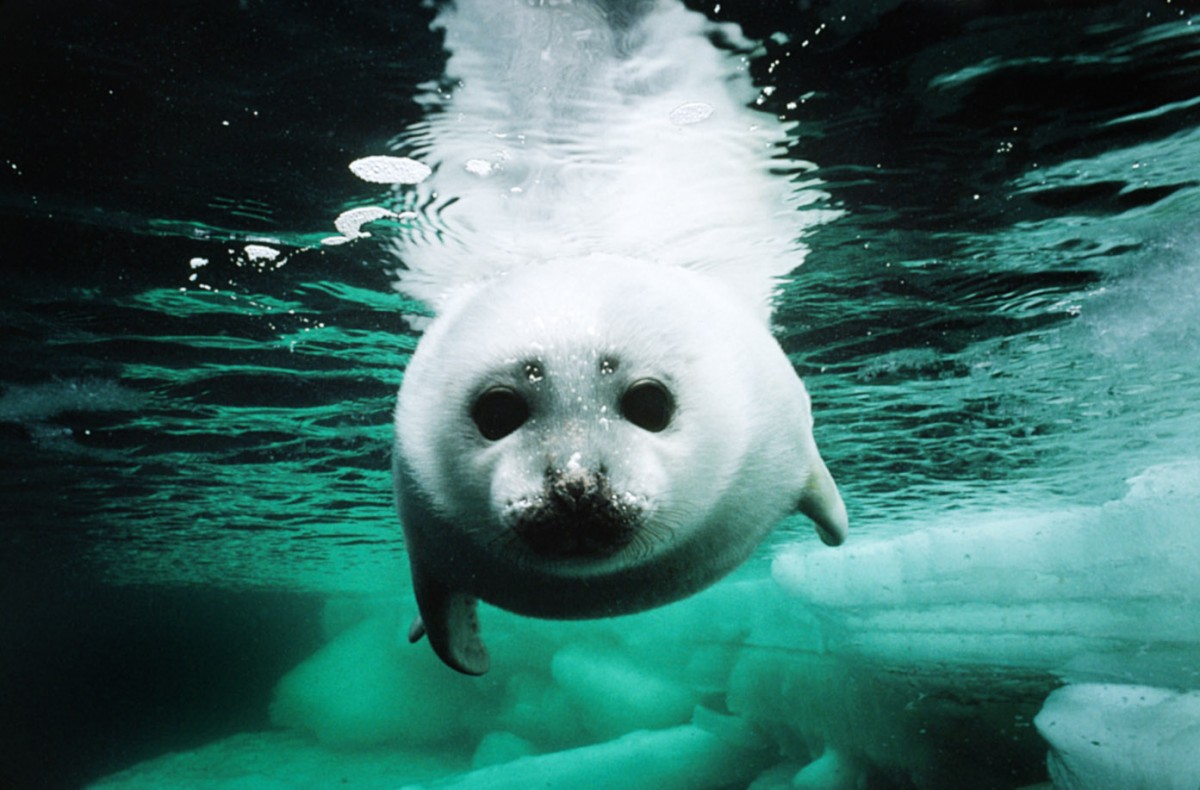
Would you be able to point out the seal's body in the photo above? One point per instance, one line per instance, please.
(595, 437)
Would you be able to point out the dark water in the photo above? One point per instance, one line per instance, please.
(195, 441)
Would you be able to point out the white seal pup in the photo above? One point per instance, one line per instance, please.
(598, 420)
(594, 437)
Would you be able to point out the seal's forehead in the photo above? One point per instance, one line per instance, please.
(574, 329)
(563, 364)
(523, 315)
(581, 295)
(572, 320)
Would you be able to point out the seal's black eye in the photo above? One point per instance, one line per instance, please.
(648, 405)
(498, 412)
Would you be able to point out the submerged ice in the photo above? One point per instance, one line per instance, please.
(923, 659)
(1102, 591)
(1122, 735)
(878, 666)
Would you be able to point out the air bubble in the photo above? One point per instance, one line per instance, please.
(691, 112)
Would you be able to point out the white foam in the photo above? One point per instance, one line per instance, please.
(261, 252)
(349, 223)
(390, 170)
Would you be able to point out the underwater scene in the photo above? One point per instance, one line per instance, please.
(971, 228)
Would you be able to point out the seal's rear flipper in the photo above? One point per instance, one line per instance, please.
(821, 502)
(450, 621)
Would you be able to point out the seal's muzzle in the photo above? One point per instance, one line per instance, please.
(579, 517)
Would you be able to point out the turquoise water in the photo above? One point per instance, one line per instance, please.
(997, 315)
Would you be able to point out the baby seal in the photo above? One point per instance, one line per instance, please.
(591, 438)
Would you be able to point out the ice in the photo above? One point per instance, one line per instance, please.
(830, 771)
(614, 695)
(1063, 589)
(915, 660)
(690, 757)
(361, 689)
(498, 748)
(1132, 737)
(277, 761)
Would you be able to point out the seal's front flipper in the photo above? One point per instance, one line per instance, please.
(416, 630)
(821, 502)
(450, 621)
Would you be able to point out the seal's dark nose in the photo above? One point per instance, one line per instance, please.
(578, 517)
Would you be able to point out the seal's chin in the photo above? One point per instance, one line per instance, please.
(578, 517)
(575, 539)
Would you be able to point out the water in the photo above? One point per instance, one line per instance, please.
(998, 315)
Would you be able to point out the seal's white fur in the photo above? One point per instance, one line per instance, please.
(737, 456)
(602, 213)
(562, 133)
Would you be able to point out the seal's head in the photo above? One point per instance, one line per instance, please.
(593, 438)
